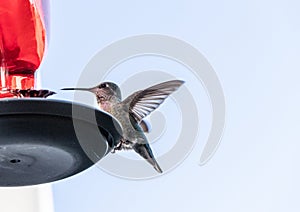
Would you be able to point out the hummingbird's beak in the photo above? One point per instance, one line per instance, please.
(78, 89)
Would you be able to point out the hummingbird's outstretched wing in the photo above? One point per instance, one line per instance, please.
(143, 102)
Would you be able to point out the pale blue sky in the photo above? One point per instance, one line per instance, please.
(254, 48)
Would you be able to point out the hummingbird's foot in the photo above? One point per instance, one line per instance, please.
(118, 147)
(123, 145)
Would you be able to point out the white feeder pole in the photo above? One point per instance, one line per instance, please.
(27, 199)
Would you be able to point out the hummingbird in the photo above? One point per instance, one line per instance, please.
(131, 111)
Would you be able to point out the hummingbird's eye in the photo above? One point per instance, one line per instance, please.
(104, 85)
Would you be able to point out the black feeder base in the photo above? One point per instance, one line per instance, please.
(43, 140)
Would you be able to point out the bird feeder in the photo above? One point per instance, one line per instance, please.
(38, 140)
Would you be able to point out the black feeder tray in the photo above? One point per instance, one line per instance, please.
(44, 140)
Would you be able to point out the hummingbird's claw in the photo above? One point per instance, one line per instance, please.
(118, 147)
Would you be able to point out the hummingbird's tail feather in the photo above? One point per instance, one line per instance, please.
(145, 151)
(157, 167)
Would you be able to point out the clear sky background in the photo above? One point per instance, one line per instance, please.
(254, 48)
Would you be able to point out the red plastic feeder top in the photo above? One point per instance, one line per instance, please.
(22, 43)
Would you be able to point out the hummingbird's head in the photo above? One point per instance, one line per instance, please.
(106, 91)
